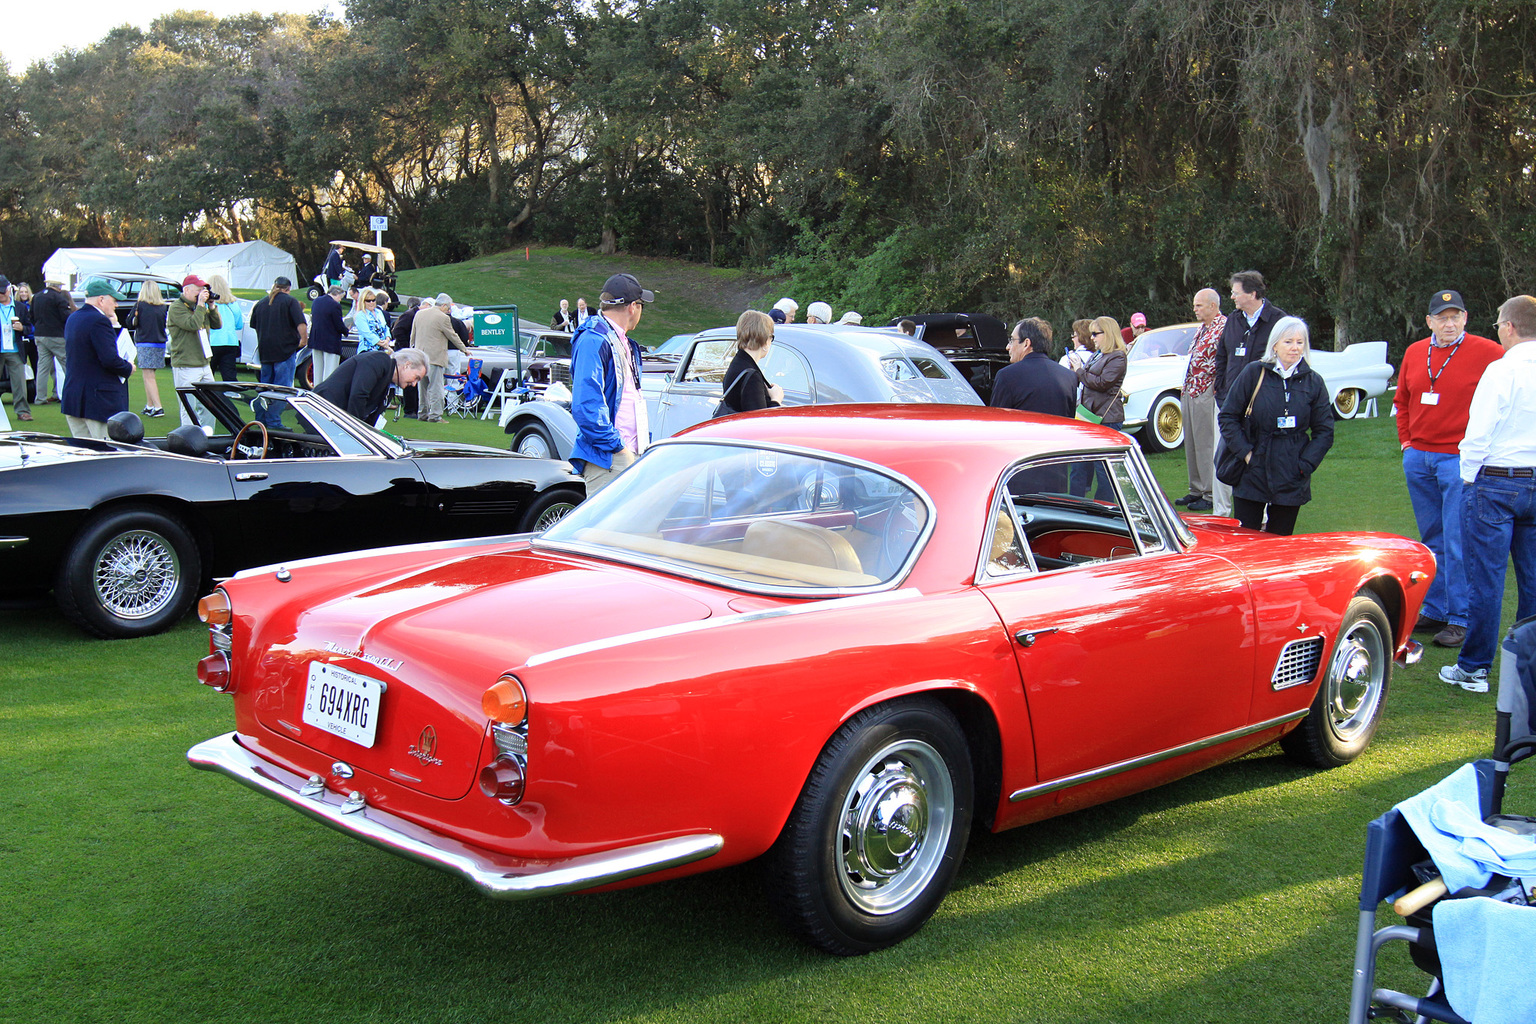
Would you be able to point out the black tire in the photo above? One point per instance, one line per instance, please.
(1164, 429)
(549, 508)
(304, 376)
(848, 883)
(314, 292)
(534, 441)
(1353, 694)
(131, 571)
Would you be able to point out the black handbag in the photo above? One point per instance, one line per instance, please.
(725, 408)
(1229, 465)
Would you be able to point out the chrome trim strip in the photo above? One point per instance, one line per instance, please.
(12, 542)
(498, 875)
(1094, 774)
(714, 622)
(1411, 653)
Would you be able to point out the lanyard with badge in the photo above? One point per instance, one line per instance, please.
(1431, 397)
(1287, 421)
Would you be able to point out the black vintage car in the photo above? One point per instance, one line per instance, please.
(127, 531)
(976, 343)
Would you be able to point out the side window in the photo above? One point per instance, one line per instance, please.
(1072, 511)
(707, 363)
(786, 369)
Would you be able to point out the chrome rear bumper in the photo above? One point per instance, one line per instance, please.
(499, 875)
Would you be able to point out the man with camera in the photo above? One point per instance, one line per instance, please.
(186, 348)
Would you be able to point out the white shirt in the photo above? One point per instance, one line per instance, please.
(1501, 428)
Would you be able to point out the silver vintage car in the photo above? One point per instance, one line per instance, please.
(815, 364)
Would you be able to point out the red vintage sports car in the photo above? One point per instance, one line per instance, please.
(835, 636)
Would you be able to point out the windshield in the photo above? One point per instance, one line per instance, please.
(753, 518)
(1165, 341)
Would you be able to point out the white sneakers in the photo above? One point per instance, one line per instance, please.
(1475, 682)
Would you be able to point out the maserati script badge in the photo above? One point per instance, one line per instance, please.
(425, 749)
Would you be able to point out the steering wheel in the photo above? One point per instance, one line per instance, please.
(238, 451)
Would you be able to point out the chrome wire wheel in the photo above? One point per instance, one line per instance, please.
(136, 574)
(1357, 680)
(552, 515)
(896, 822)
(1347, 404)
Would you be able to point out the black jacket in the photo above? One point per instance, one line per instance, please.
(276, 320)
(1241, 345)
(147, 321)
(1036, 383)
(360, 384)
(49, 311)
(401, 329)
(1284, 458)
(745, 386)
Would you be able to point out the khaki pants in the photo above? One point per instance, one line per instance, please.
(186, 376)
(48, 350)
(597, 477)
(86, 428)
(1200, 442)
(432, 397)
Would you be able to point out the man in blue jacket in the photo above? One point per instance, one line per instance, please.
(606, 400)
(326, 329)
(96, 387)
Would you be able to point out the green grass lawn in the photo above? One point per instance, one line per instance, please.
(133, 888)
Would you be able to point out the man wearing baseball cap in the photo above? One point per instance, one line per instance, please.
(606, 400)
(186, 320)
(1434, 397)
(1137, 329)
(96, 386)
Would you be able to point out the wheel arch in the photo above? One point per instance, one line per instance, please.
(978, 720)
(1387, 589)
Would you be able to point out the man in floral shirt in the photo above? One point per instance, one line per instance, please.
(1199, 406)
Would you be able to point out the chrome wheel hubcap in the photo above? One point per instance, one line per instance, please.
(136, 574)
(1356, 680)
(896, 822)
(1170, 423)
(533, 445)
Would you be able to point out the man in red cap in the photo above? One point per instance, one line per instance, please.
(1137, 329)
(1434, 398)
(187, 347)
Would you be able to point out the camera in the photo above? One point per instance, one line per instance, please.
(214, 296)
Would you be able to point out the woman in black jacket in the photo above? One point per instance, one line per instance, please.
(1282, 441)
(746, 388)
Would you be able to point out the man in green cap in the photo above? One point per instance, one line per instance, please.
(96, 386)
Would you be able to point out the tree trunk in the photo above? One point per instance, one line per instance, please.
(609, 243)
(493, 153)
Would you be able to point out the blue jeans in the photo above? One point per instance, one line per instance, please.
(1498, 521)
(1434, 487)
(276, 373)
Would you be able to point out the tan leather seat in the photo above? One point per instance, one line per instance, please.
(800, 543)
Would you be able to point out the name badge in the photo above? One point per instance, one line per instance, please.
(1242, 351)
(1285, 422)
(1429, 398)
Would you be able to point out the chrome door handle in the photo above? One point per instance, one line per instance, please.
(1027, 637)
(250, 476)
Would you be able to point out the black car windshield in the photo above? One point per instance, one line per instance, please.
(753, 518)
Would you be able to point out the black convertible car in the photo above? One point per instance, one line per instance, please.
(126, 531)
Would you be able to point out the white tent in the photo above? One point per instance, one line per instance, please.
(244, 264)
(73, 266)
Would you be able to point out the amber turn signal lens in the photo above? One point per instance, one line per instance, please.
(506, 701)
(214, 609)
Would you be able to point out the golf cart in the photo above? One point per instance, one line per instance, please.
(383, 276)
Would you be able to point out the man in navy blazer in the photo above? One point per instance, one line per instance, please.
(326, 329)
(96, 386)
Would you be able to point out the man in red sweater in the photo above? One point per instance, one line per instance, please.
(1434, 395)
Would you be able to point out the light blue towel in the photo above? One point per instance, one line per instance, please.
(1485, 955)
(1457, 867)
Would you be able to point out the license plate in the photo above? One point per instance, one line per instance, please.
(343, 703)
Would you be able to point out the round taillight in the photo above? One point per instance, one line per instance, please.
(502, 779)
(214, 609)
(214, 671)
(506, 701)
